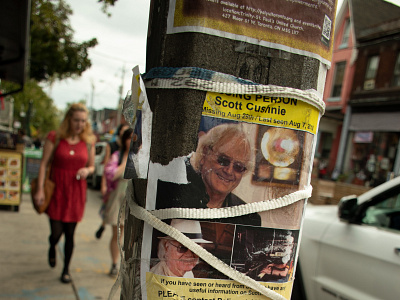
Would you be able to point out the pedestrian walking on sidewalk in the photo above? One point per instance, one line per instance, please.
(116, 189)
(72, 147)
(111, 147)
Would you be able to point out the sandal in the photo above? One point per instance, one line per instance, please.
(65, 278)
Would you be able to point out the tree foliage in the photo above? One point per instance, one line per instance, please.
(106, 5)
(108, 2)
(44, 115)
(54, 53)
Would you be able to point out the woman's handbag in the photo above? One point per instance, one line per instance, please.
(48, 186)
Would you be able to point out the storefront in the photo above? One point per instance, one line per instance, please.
(327, 144)
(372, 155)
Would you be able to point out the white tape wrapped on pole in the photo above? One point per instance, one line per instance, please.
(212, 81)
(233, 211)
(143, 214)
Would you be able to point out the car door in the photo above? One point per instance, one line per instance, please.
(362, 261)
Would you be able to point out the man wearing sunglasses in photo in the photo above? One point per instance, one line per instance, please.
(216, 168)
(175, 259)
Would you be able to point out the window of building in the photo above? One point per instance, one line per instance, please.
(370, 74)
(346, 35)
(370, 158)
(396, 73)
(338, 79)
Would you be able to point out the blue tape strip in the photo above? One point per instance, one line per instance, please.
(194, 72)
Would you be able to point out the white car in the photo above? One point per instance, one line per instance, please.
(352, 251)
(100, 152)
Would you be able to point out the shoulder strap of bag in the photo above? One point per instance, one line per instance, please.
(88, 147)
(48, 169)
(56, 142)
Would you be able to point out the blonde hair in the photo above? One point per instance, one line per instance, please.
(65, 131)
(218, 136)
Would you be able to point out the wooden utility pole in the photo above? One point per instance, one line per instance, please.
(177, 113)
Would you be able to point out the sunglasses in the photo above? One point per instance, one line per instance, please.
(225, 161)
(181, 249)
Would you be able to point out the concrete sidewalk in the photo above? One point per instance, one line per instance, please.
(24, 270)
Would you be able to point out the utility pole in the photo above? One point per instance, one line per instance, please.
(120, 99)
(27, 122)
(91, 102)
(201, 57)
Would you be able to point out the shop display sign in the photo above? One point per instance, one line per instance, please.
(10, 177)
(363, 137)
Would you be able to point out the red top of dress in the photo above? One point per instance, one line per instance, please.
(69, 197)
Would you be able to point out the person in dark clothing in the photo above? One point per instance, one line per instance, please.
(213, 172)
(37, 143)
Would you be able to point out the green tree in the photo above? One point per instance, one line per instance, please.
(54, 53)
(44, 115)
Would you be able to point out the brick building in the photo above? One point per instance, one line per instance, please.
(359, 134)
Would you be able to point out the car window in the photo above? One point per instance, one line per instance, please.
(385, 213)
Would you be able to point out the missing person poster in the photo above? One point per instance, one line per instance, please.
(250, 148)
(298, 26)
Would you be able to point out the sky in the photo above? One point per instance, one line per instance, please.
(122, 46)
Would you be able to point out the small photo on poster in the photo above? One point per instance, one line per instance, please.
(279, 156)
(223, 156)
(265, 254)
(171, 258)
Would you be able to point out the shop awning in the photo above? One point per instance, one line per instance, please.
(379, 121)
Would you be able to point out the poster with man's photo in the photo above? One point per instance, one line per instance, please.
(250, 148)
(242, 156)
(266, 255)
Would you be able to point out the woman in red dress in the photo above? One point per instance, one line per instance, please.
(72, 148)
